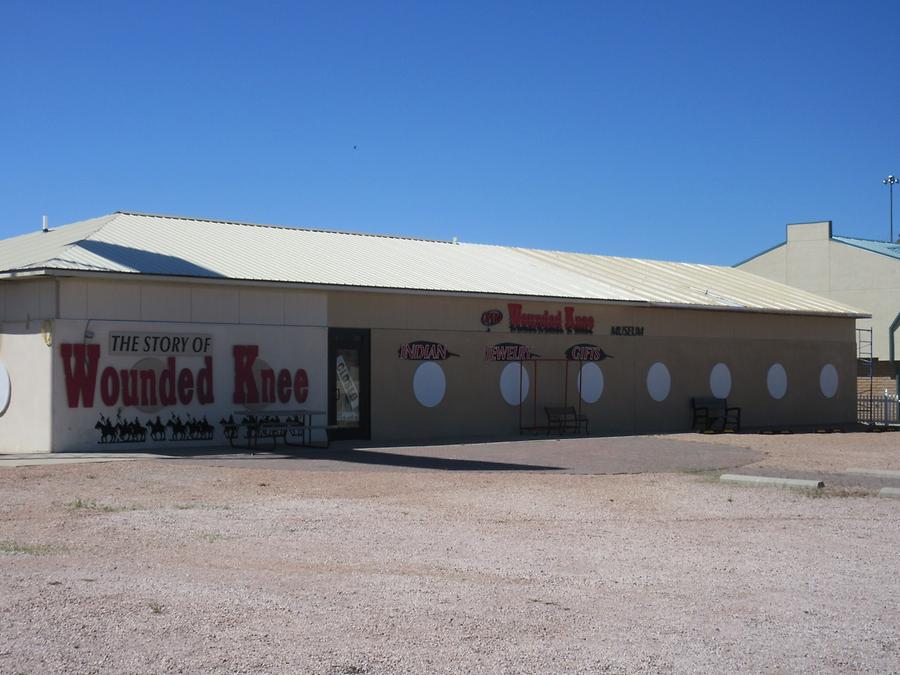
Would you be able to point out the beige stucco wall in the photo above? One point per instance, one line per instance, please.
(281, 347)
(26, 326)
(812, 261)
(688, 342)
(871, 281)
(27, 300)
(290, 327)
(219, 303)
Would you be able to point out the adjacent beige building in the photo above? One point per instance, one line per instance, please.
(144, 331)
(859, 272)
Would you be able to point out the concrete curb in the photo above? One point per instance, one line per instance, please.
(883, 473)
(894, 493)
(773, 481)
(55, 458)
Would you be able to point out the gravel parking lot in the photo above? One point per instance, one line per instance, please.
(269, 564)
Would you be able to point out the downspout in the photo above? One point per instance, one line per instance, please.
(893, 329)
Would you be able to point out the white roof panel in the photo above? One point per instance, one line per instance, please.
(171, 246)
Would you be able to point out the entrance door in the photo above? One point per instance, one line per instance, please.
(348, 383)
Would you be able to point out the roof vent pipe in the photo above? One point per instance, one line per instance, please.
(44, 227)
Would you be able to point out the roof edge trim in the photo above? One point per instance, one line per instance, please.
(761, 253)
(838, 240)
(59, 272)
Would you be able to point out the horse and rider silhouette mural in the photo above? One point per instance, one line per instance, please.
(123, 430)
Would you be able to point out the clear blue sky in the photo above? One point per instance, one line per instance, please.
(673, 130)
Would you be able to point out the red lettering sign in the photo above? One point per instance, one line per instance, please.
(271, 388)
(152, 387)
(245, 390)
(301, 386)
(491, 317)
(561, 321)
(131, 387)
(424, 351)
(284, 385)
(508, 351)
(185, 386)
(80, 368)
(585, 352)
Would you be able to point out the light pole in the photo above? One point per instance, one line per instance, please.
(890, 181)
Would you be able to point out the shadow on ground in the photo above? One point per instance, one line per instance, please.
(574, 455)
(377, 458)
(608, 455)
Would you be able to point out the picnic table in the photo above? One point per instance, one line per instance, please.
(297, 428)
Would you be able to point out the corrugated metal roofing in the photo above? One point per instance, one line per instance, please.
(171, 246)
(882, 247)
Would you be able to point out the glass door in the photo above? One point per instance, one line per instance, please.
(348, 382)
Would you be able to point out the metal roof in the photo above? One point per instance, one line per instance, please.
(134, 243)
(882, 247)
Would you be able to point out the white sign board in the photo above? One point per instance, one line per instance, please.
(160, 344)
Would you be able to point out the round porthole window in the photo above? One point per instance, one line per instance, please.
(720, 381)
(828, 380)
(514, 383)
(659, 382)
(776, 381)
(590, 382)
(429, 384)
(5, 388)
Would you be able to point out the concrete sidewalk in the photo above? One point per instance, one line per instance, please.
(50, 458)
(616, 455)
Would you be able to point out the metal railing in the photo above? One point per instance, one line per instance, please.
(878, 408)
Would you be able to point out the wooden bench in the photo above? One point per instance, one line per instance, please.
(565, 420)
(714, 414)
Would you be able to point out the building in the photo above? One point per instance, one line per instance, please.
(859, 272)
(149, 331)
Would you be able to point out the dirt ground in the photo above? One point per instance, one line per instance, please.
(185, 566)
(830, 453)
